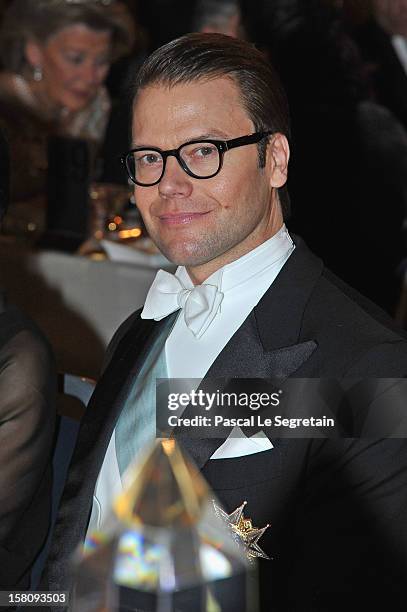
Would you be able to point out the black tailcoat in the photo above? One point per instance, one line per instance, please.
(337, 508)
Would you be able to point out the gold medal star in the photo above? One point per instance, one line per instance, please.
(244, 531)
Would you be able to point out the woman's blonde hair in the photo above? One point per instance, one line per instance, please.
(39, 20)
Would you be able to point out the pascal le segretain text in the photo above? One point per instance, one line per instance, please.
(255, 420)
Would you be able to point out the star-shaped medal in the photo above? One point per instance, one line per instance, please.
(243, 531)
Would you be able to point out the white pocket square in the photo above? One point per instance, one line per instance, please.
(239, 445)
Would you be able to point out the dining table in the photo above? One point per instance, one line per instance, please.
(77, 301)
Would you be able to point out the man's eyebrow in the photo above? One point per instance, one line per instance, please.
(211, 135)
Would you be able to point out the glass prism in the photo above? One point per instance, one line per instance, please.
(164, 548)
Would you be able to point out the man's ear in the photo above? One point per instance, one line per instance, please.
(33, 54)
(278, 154)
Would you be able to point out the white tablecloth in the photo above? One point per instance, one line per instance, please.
(78, 303)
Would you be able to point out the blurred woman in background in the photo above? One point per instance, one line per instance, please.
(56, 56)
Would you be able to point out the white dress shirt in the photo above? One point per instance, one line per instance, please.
(243, 283)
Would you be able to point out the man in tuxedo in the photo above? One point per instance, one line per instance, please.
(209, 163)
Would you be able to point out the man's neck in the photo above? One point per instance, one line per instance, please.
(199, 274)
(391, 26)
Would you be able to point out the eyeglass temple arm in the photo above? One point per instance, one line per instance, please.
(243, 140)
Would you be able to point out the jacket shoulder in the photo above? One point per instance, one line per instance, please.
(119, 334)
(354, 333)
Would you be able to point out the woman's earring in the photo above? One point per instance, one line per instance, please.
(37, 73)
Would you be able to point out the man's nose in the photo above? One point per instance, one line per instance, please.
(175, 182)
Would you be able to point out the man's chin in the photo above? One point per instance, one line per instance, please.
(184, 258)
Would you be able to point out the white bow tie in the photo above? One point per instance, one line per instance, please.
(167, 294)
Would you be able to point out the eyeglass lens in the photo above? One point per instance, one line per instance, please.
(202, 159)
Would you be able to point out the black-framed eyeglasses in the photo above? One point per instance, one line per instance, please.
(201, 159)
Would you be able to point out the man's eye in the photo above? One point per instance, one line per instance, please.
(205, 151)
(148, 159)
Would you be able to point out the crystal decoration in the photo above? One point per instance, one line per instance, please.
(164, 548)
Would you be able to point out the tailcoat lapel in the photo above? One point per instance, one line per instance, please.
(269, 343)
